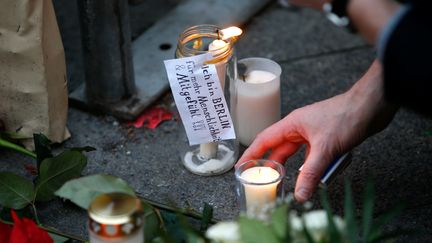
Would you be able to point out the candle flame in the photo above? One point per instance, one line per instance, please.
(230, 32)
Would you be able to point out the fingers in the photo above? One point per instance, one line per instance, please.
(314, 167)
(270, 138)
(283, 151)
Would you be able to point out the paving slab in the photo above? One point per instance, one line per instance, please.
(289, 33)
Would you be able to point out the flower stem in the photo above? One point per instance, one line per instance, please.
(17, 148)
(186, 212)
(35, 214)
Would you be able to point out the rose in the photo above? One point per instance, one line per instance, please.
(224, 232)
(23, 231)
(316, 223)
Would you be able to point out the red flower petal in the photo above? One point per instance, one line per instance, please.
(26, 231)
(18, 234)
(5, 231)
(152, 117)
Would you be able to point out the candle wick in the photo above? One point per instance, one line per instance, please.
(218, 34)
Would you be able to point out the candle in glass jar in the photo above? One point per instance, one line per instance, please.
(257, 104)
(262, 189)
(116, 218)
(209, 150)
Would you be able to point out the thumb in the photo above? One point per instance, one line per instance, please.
(314, 167)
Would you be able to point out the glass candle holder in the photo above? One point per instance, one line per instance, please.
(215, 157)
(116, 217)
(259, 184)
(256, 102)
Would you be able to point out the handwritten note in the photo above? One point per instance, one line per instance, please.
(199, 98)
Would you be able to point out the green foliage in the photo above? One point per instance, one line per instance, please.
(350, 218)
(54, 172)
(57, 238)
(207, 217)
(82, 191)
(15, 192)
(153, 222)
(279, 222)
(5, 143)
(42, 148)
(367, 210)
(335, 235)
(256, 231)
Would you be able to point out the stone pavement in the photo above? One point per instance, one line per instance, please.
(318, 60)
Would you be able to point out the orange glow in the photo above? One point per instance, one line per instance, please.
(230, 32)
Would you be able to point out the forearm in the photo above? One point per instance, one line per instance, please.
(368, 98)
(371, 16)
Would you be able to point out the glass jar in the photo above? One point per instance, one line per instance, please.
(116, 217)
(216, 157)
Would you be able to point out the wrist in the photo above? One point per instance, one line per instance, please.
(367, 97)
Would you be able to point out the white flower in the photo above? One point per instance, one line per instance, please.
(224, 232)
(316, 223)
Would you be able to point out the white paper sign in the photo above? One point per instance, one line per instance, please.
(199, 98)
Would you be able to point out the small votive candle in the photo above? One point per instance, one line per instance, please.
(259, 184)
(116, 217)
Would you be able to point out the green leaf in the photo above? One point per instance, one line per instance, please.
(15, 191)
(57, 238)
(279, 221)
(255, 231)
(173, 227)
(54, 172)
(207, 216)
(368, 198)
(152, 221)
(350, 219)
(83, 190)
(42, 148)
(334, 233)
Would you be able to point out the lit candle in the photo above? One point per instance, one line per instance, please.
(264, 188)
(218, 47)
(257, 100)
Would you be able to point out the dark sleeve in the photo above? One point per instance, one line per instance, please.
(407, 60)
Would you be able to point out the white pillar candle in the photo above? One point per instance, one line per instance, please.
(257, 196)
(256, 104)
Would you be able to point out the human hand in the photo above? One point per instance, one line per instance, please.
(328, 128)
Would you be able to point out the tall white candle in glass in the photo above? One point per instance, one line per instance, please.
(256, 104)
(217, 157)
(259, 184)
(217, 47)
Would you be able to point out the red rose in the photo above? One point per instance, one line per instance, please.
(23, 231)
